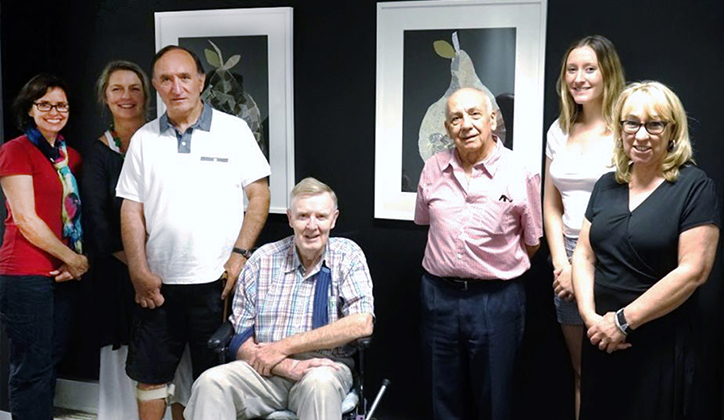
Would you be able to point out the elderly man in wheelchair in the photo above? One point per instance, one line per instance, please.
(299, 302)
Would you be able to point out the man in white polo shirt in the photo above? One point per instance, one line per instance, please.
(183, 224)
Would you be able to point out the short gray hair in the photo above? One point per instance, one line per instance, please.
(311, 186)
(486, 100)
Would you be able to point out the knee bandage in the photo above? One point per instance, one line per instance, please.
(161, 393)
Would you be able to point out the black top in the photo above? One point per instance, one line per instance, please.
(112, 288)
(656, 378)
(635, 249)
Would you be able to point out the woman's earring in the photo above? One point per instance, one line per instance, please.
(672, 144)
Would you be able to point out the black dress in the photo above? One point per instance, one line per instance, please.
(655, 378)
(112, 288)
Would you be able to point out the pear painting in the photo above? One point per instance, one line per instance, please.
(432, 136)
(225, 92)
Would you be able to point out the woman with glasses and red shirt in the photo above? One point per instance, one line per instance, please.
(42, 250)
(648, 241)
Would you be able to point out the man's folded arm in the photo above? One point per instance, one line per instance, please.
(266, 357)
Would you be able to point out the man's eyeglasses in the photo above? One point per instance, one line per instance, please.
(61, 107)
(652, 127)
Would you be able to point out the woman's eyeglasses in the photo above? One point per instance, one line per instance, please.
(61, 107)
(652, 127)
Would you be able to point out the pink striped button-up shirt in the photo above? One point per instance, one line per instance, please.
(479, 227)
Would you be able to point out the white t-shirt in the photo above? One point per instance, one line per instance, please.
(193, 202)
(574, 174)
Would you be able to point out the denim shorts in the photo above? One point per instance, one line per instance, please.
(567, 311)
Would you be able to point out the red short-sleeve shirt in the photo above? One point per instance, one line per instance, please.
(20, 157)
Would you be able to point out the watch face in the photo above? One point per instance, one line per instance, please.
(621, 321)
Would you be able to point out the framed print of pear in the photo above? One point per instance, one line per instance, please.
(225, 92)
(432, 136)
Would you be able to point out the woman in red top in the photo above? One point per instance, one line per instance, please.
(42, 246)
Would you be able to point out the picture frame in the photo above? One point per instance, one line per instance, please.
(508, 31)
(237, 39)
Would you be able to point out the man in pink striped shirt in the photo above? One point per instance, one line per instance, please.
(483, 209)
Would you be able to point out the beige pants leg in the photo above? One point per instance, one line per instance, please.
(319, 395)
(236, 391)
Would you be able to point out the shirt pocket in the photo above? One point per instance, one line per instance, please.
(218, 172)
(493, 217)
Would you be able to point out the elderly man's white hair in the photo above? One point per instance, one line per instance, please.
(311, 186)
(486, 100)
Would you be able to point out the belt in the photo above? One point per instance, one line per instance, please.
(458, 283)
(467, 284)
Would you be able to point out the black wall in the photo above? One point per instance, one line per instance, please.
(678, 43)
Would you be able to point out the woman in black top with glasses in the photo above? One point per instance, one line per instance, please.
(648, 241)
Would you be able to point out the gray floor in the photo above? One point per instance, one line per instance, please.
(65, 414)
(60, 414)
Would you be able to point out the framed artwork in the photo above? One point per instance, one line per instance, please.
(247, 56)
(428, 49)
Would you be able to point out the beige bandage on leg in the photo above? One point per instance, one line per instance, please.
(161, 393)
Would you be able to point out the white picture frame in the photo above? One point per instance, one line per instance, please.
(276, 24)
(528, 17)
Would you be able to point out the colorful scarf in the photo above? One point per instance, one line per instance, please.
(58, 157)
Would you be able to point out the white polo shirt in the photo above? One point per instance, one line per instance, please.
(193, 200)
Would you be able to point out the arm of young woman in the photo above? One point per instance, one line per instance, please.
(553, 224)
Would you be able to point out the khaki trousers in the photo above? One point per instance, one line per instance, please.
(236, 391)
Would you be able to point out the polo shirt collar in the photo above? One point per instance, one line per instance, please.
(203, 123)
(490, 164)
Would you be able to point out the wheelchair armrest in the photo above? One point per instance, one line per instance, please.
(220, 338)
(363, 343)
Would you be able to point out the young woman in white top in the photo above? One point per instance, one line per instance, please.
(578, 151)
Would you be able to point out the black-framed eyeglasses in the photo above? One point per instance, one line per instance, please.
(61, 107)
(652, 127)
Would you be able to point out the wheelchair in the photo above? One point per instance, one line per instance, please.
(354, 405)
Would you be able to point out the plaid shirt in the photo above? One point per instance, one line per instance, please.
(274, 298)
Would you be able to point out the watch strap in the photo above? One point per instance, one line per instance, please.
(245, 252)
(621, 323)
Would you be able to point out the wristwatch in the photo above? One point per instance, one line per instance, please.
(245, 252)
(621, 322)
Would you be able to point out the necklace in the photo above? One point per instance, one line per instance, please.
(117, 140)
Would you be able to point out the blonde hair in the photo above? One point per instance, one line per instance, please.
(666, 106)
(613, 81)
(311, 186)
